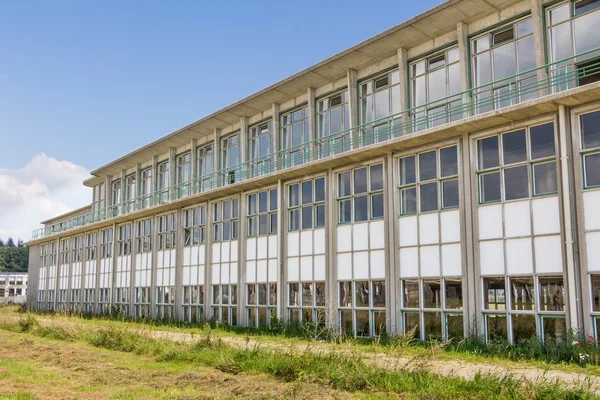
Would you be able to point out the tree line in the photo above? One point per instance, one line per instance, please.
(14, 257)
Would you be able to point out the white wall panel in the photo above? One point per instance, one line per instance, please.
(293, 269)
(430, 260)
(272, 242)
(234, 250)
(490, 222)
(519, 258)
(319, 241)
(360, 236)
(251, 249)
(225, 254)
(591, 207)
(361, 265)
(517, 219)
(216, 252)
(293, 243)
(409, 262)
(407, 230)
(377, 235)
(319, 268)
(261, 271)
(451, 260)
(491, 257)
(261, 249)
(548, 254)
(344, 262)
(251, 271)
(344, 238)
(306, 272)
(546, 215)
(306, 242)
(592, 243)
(377, 262)
(450, 226)
(429, 229)
(272, 273)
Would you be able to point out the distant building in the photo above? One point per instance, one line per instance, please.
(441, 176)
(13, 287)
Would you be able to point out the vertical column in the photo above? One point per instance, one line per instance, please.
(244, 139)
(312, 123)
(70, 272)
(133, 262)
(97, 286)
(463, 62)
(177, 313)
(281, 253)
(33, 277)
(83, 270)
(538, 40)
(574, 306)
(154, 187)
(174, 192)
(276, 136)
(107, 196)
(241, 265)
(404, 90)
(331, 300)
(122, 207)
(467, 208)
(153, 267)
(353, 104)
(392, 274)
(138, 184)
(194, 159)
(217, 156)
(208, 259)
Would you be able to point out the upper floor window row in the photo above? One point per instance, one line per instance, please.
(360, 194)
(590, 149)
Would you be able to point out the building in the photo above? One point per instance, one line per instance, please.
(13, 287)
(442, 175)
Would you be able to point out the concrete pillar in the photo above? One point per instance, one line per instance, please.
(241, 265)
(152, 312)
(177, 312)
(331, 299)
(133, 263)
(275, 108)
(312, 124)
(208, 260)
(97, 285)
(154, 187)
(468, 208)
(281, 252)
(404, 91)
(538, 40)
(217, 157)
(244, 152)
(352, 78)
(391, 227)
(113, 279)
(462, 33)
(122, 207)
(107, 197)
(138, 184)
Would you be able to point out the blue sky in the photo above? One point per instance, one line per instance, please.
(90, 81)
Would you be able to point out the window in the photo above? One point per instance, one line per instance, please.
(294, 137)
(434, 84)
(360, 194)
(194, 226)
(230, 159)
(99, 201)
(571, 31)
(106, 243)
(261, 148)
(64, 251)
(141, 302)
(124, 243)
(525, 160)
(130, 192)
(167, 231)
(306, 302)
(90, 248)
(183, 174)
(225, 220)
(193, 304)
(262, 213)
(144, 236)
(429, 181)
(362, 307)
(261, 303)
(511, 308)
(77, 252)
(163, 180)
(379, 101)
(433, 308)
(590, 149)
(224, 304)
(306, 205)
(115, 201)
(206, 167)
(497, 57)
(165, 300)
(146, 188)
(333, 124)
(89, 300)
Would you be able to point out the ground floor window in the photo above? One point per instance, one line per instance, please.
(193, 304)
(89, 296)
(362, 308)
(62, 300)
(432, 308)
(142, 302)
(261, 303)
(165, 301)
(75, 299)
(306, 302)
(224, 304)
(41, 299)
(103, 300)
(50, 300)
(122, 300)
(522, 308)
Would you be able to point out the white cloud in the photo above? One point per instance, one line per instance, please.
(42, 189)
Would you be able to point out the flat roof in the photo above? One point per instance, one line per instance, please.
(429, 25)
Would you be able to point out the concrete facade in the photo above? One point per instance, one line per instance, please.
(13, 287)
(442, 176)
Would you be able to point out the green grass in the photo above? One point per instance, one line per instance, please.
(333, 369)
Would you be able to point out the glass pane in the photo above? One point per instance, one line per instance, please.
(483, 74)
(360, 181)
(320, 218)
(450, 194)
(379, 322)
(307, 192)
(583, 6)
(273, 200)
(408, 201)
(432, 293)
(427, 166)
(454, 326)
(523, 328)
(560, 14)
(361, 208)
(433, 325)
(448, 161)
(514, 147)
(412, 324)
(590, 130)
(251, 300)
(344, 184)
(377, 206)
(504, 61)
(382, 104)
(407, 170)
(585, 32)
(482, 44)
(526, 54)
(487, 151)
(561, 46)
(345, 211)
(496, 328)
(320, 189)
(428, 197)
(361, 293)
(376, 177)
(263, 224)
(524, 28)
(592, 169)
(345, 294)
(262, 201)
(437, 85)
(554, 330)
(542, 141)
(495, 298)
(273, 228)
(320, 294)
(410, 297)
(452, 55)
(293, 295)
(294, 195)
(454, 297)
(418, 91)
(522, 294)
(489, 187)
(552, 290)
(544, 178)
(307, 217)
(378, 294)
(516, 183)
